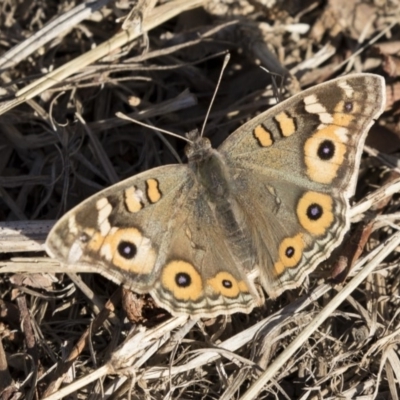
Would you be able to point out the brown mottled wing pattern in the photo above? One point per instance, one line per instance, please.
(293, 170)
(283, 182)
(154, 233)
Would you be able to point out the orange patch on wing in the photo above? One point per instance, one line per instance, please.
(140, 258)
(297, 244)
(263, 136)
(320, 225)
(325, 171)
(286, 124)
(153, 190)
(225, 284)
(289, 259)
(319, 170)
(132, 200)
(193, 290)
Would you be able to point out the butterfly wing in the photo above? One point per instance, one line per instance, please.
(286, 177)
(155, 233)
(293, 170)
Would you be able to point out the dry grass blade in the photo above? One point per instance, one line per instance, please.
(23, 236)
(375, 197)
(131, 347)
(58, 27)
(157, 17)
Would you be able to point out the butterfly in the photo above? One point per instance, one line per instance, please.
(273, 197)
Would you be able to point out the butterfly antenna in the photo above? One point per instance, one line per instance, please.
(126, 118)
(226, 60)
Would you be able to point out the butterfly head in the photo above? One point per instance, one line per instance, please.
(198, 147)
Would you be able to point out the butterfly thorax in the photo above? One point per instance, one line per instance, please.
(208, 167)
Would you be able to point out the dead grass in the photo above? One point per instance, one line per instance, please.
(66, 69)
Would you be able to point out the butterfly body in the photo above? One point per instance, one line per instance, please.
(274, 196)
